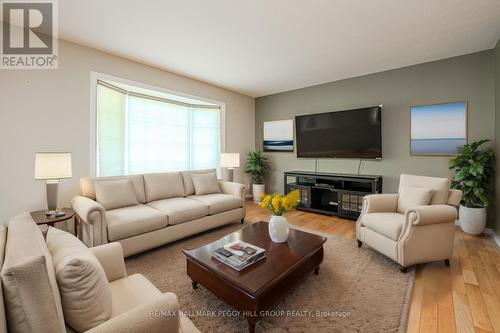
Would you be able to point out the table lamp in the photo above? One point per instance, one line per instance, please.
(230, 161)
(51, 167)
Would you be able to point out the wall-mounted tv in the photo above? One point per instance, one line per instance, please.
(342, 134)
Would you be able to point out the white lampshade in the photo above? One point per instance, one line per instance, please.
(230, 160)
(52, 165)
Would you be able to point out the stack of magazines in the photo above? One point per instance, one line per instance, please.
(239, 254)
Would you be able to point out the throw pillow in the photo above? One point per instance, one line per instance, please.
(163, 185)
(411, 196)
(205, 183)
(112, 194)
(84, 288)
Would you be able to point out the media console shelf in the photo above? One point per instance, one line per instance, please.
(332, 193)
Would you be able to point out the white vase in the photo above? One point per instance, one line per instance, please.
(257, 191)
(278, 229)
(472, 220)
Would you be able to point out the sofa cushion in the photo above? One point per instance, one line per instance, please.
(87, 186)
(180, 210)
(219, 202)
(188, 182)
(440, 186)
(132, 221)
(84, 288)
(30, 292)
(412, 196)
(130, 292)
(387, 224)
(205, 183)
(112, 194)
(163, 185)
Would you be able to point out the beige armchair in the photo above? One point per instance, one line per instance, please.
(414, 226)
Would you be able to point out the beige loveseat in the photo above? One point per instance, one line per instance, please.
(34, 300)
(166, 210)
(414, 226)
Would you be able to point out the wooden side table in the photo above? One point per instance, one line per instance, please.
(40, 218)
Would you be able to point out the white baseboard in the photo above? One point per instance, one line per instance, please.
(493, 235)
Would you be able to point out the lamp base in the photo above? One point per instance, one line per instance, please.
(51, 187)
(230, 174)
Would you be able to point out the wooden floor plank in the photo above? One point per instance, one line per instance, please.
(480, 316)
(429, 312)
(416, 303)
(483, 280)
(492, 271)
(493, 306)
(470, 277)
(463, 317)
(446, 315)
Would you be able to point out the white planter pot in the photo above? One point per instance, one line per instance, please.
(472, 220)
(257, 190)
(278, 229)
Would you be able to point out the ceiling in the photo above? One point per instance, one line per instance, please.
(261, 47)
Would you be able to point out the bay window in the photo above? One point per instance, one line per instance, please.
(141, 132)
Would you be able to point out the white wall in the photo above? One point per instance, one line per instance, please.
(49, 110)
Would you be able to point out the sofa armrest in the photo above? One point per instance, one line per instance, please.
(432, 214)
(380, 203)
(93, 216)
(110, 257)
(232, 188)
(161, 315)
(85, 207)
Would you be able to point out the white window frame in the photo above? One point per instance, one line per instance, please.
(95, 76)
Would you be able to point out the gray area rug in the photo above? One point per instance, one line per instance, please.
(357, 290)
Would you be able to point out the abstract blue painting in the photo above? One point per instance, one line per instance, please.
(438, 129)
(278, 136)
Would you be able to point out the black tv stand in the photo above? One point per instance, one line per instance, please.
(332, 193)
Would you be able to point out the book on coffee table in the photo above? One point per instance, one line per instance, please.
(239, 254)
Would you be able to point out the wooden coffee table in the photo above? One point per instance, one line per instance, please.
(260, 286)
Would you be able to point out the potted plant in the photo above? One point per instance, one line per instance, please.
(278, 205)
(257, 168)
(473, 171)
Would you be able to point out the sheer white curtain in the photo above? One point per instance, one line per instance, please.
(111, 105)
(137, 134)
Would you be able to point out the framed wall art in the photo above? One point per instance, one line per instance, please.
(438, 129)
(278, 136)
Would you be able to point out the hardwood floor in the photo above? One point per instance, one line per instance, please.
(464, 297)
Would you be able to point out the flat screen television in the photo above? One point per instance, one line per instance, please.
(342, 134)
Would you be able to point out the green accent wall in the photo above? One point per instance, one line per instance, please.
(469, 77)
(497, 135)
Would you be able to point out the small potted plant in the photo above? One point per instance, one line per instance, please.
(278, 205)
(473, 171)
(257, 168)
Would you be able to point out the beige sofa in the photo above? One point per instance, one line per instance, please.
(33, 299)
(414, 226)
(167, 209)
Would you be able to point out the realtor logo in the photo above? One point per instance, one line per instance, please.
(29, 34)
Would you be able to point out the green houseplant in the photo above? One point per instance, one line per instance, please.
(257, 167)
(473, 170)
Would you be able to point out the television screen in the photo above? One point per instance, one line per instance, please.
(342, 134)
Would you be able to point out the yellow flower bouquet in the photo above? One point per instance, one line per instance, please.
(278, 204)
